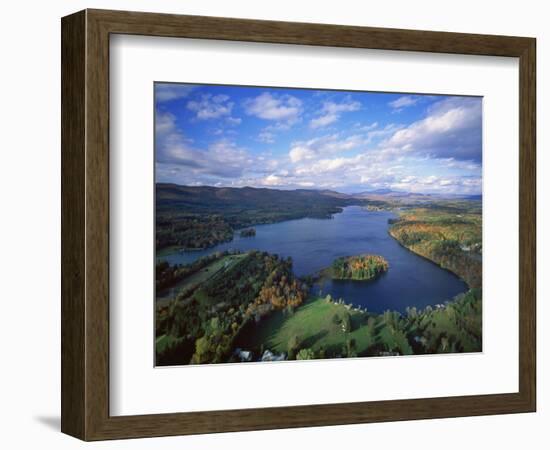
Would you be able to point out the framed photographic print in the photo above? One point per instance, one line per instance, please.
(270, 224)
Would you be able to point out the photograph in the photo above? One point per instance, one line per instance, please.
(265, 226)
(300, 224)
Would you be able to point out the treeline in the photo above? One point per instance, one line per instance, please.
(451, 240)
(200, 217)
(447, 253)
(360, 267)
(455, 327)
(198, 327)
(328, 328)
(191, 231)
(203, 230)
(248, 232)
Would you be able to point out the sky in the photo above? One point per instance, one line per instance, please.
(349, 142)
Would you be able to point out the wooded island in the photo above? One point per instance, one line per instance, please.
(360, 267)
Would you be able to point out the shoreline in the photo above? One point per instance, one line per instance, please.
(237, 230)
(318, 279)
(430, 260)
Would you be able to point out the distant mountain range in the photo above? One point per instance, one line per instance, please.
(388, 194)
(220, 198)
(211, 198)
(375, 191)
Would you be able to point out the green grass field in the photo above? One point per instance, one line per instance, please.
(319, 326)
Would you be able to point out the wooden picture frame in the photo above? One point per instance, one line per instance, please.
(85, 224)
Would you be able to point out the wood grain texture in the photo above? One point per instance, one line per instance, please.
(201, 27)
(527, 224)
(73, 111)
(85, 224)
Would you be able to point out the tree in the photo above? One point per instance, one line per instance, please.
(202, 347)
(293, 346)
(305, 353)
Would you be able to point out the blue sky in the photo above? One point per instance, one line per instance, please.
(317, 139)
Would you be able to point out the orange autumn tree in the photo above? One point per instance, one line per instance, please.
(281, 290)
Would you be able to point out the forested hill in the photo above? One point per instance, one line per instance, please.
(219, 200)
(194, 217)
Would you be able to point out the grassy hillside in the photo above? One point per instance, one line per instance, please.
(328, 329)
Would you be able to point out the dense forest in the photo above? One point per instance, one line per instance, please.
(191, 231)
(449, 235)
(248, 232)
(360, 267)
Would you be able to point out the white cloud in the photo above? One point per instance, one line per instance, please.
(284, 108)
(323, 146)
(403, 102)
(323, 121)
(211, 107)
(452, 129)
(222, 158)
(164, 123)
(345, 106)
(327, 165)
(460, 165)
(366, 127)
(300, 153)
(168, 92)
(438, 184)
(272, 180)
(331, 112)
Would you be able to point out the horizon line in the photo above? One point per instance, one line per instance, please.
(371, 191)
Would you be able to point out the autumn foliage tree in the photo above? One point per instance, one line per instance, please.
(281, 289)
(361, 267)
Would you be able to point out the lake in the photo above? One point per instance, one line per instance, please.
(314, 243)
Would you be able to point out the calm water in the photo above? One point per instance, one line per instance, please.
(314, 243)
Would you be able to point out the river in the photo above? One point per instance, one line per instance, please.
(314, 243)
